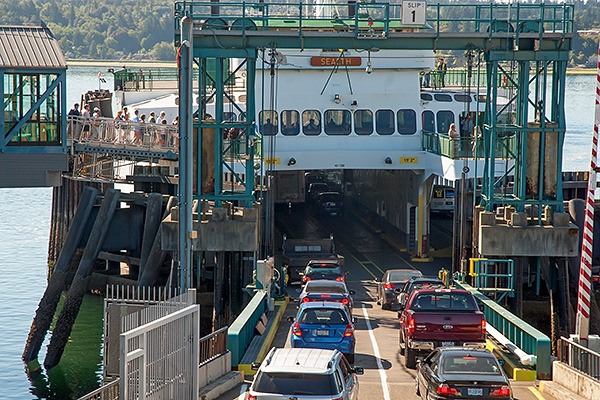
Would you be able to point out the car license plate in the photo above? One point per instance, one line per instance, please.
(322, 332)
(475, 391)
(445, 344)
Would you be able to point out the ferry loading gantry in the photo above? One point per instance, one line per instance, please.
(523, 42)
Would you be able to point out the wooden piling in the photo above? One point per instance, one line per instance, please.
(151, 226)
(79, 285)
(58, 280)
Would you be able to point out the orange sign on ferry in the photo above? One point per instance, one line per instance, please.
(333, 61)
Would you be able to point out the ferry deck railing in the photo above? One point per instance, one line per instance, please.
(523, 335)
(466, 147)
(213, 345)
(516, 19)
(579, 357)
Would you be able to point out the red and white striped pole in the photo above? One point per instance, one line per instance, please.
(585, 269)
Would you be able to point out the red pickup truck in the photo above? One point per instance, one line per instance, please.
(439, 317)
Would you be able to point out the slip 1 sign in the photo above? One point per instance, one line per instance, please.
(413, 12)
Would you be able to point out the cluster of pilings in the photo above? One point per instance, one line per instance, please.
(95, 241)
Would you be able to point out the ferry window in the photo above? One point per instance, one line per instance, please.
(268, 122)
(465, 98)
(428, 121)
(337, 122)
(290, 125)
(242, 98)
(442, 97)
(363, 122)
(384, 122)
(311, 122)
(407, 122)
(426, 97)
(444, 119)
(482, 98)
(229, 116)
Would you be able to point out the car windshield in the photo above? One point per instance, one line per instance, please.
(444, 302)
(470, 364)
(329, 197)
(402, 276)
(324, 288)
(295, 384)
(331, 316)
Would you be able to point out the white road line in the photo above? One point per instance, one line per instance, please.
(382, 374)
(243, 389)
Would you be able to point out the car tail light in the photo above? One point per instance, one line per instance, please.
(483, 326)
(296, 330)
(340, 279)
(349, 331)
(345, 301)
(251, 397)
(305, 300)
(504, 391)
(444, 389)
(389, 286)
(596, 279)
(306, 279)
(410, 324)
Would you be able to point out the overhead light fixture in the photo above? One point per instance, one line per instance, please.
(388, 160)
(337, 99)
(291, 161)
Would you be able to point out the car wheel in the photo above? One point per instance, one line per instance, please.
(417, 388)
(349, 358)
(410, 358)
(401, 345)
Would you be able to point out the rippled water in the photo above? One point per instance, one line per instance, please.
(24, 230)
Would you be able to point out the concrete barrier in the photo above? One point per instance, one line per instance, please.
(573, 381)
(214, 369)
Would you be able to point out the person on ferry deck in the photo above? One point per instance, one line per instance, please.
(312, 127)
(442, 68)
(152, 118)
(161, 117)
(454, 140)
(74, 111)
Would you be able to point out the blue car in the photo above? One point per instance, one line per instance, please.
(324, 325)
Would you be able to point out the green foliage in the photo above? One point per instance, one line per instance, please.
(141, 29)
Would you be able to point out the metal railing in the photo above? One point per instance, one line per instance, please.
(108, 131)
(464, 147)
(489, 18)
(213, 345)
(523, 335)
(579, 357)
(110, 391)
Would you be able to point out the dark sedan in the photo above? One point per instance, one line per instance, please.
(460, 373)
(415, 284)
(393, 279)
(323, 269)
(326, 290)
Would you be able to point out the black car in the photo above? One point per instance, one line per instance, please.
(323, 269)
(327, 290)
(413, 284)
(393, 279)
(330, 203)
(315, 188)
(457, 372)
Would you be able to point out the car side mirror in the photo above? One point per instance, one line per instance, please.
(254, 366)
(352, 292)
(290, 319)
(354, 320)
(358, 370)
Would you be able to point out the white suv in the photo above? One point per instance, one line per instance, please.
(305, 374)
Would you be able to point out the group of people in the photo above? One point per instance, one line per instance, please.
(127, 128)
(467, 131)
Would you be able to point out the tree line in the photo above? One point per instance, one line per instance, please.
(135, 29)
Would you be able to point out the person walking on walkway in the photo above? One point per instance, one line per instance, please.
(442, 68)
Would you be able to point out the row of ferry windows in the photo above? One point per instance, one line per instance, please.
(338, 122)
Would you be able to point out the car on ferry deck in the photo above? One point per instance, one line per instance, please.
(415, 283)
(390, 281)
(461, 373)
(314, 189)
(330, 203)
